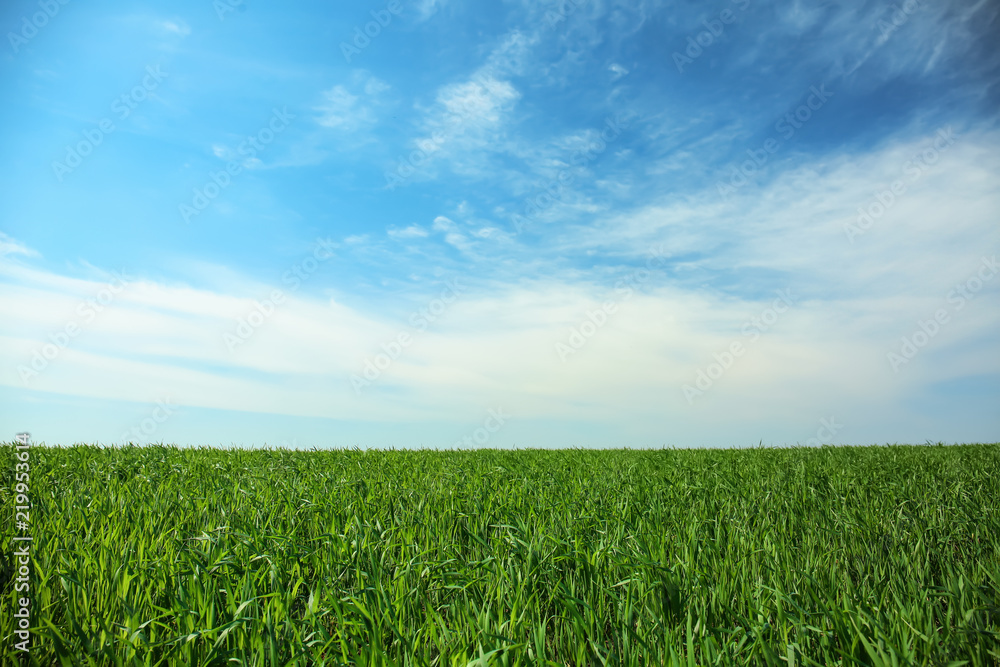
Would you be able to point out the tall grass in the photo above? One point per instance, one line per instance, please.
(834, 556)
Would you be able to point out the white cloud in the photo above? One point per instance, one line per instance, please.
(617, 71)
(512, 56)
(466, 124)
(176, 28)
(427, 8)
(452, 235)
(495, 345)
(375, 86)
(482, 101)
(797, 225)
(344, 110)
(413, 231)
(9, 246)
(339, 109)
(443, 224)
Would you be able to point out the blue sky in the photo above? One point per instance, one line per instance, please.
(529, 224)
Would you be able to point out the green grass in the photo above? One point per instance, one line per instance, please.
(832, 556)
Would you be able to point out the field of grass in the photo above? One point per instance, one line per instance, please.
(833, 556)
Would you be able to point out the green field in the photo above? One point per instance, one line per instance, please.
(854, 556)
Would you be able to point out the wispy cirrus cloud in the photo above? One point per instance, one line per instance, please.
(9, 246)
(347, 111)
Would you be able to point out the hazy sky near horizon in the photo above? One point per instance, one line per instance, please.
(512, 224)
